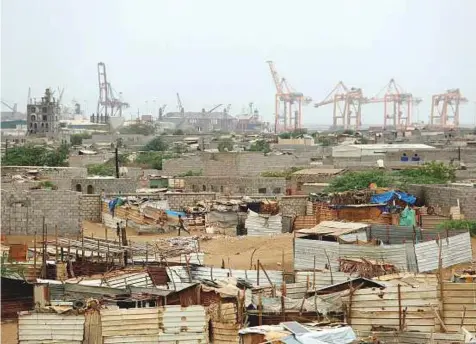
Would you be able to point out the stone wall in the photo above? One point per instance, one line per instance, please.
(60, 176)
(180, 200)
(236, 185)
(446, 196)
(109, 185)
(90, 208)
(236, 164)
(22, 213)
(293, 205)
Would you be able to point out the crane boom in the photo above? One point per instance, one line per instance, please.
(276, 78)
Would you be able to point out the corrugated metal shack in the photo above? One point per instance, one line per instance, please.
(17, 295)
(323, 246)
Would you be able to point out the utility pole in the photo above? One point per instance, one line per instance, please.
(116, 153)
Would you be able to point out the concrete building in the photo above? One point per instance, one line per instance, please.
(42, 117)
(202, 121)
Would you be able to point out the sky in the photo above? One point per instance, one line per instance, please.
(215, 52)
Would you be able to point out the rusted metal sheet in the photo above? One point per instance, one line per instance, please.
(50, 328)
(454, 250)
(92, 327)
(158, 274)
(304, 221)
(393, 254)
(18, 252)
(17, 295)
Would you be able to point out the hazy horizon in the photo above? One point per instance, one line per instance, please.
(214, 52)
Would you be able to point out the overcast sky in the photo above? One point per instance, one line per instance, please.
(214, 51)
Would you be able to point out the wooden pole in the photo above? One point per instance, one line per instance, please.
(34, 254)
(314, 275)
(56, 242)
(400, 327)
(82, 245)
(330, 267)
(146, 252)
(257, 272)
(260, 311)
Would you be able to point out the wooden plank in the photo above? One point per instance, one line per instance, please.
(405, 296)
(459, 307)
(459, 286)
(394, 303)
(470, 294)
(394, 290)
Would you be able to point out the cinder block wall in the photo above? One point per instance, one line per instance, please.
(180, 200)
(236, 164)
(109, 185)
(22, 213)
(60, 176)
(90, 207)
(236, 185)
(293, 205)
(445, 196)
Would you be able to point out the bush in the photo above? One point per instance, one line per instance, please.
(225, 145)
(156, 144)
(283, 174)
(260, 146)
(138, 129)
(36, 156)
(77, 139)
(106, 169)
(459, 224)
(191, 173)
(178, 132)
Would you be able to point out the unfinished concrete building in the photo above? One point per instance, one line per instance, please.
(42, 116)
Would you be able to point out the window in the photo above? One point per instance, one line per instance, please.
(214, 188)
(221, 188)
(90, 190)
(262, 190)
(195, 188)
(45, 117)
(204, 187)
(33, 118)
(79, 188)
(277, 191)
(44, 109)
(33, 109)
(241, 190)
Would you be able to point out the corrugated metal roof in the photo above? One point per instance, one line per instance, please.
(323, 278)
(258, 225)
(50, 328)
(334, 228)
(179, 274)
(139, 279)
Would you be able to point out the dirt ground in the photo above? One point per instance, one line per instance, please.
(9, 333)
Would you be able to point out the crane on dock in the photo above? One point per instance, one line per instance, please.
(347, 106)
(398, 105)
(445, 108)
(109, 104)
(289, 100)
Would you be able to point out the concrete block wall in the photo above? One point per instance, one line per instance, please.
(22, 213)
(293, 205)
(85, 160)
(446, 196)
(236, 185)
(90, 207)
(236, 164)
(109, 185)
(180, 200)
(60, 176)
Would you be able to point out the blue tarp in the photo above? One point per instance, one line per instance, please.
(390, 195)
(175, 213)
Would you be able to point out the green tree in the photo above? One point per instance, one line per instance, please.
(30, 155)
(178, 132)
(106, 169)
(260, 146)
(156, 144)
(138, 129)
(77, 139)
(225, 145)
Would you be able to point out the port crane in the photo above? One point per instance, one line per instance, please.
(347, 106)
(445, 108)
(290, 100)
(179, 105)
(109, 104)
(398, 105)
